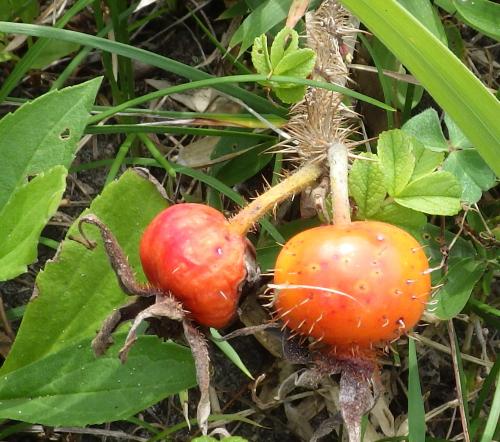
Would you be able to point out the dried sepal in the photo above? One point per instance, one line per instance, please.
(104, 339)
(356, 397)
(117, 258)
(198, 345)
(165, 307)
(359, 382)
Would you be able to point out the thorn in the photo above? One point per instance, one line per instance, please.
(429, 271)
(269, 304)
(436, 287)
(176, 269)
(414, 249)
(289, 311)
(284, 325)
(386, 321)
(317, 341)
(411, 281)
(223, 294)
(401, 323)
(359, 323)
(311, 328)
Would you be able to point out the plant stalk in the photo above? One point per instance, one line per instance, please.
(243, 221)
(338, 161)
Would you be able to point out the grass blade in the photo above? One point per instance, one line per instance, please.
(416, 412)
(258, 103)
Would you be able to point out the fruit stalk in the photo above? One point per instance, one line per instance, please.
(243, 221)
(338, 161)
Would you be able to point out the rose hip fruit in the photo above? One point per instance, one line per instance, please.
(352, 285)
(190, 251)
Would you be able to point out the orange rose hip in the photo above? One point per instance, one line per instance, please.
(358, 284)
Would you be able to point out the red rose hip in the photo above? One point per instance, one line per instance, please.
(190, 251)
(352, 285)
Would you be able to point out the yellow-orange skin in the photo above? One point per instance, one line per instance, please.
(190, 251)
(380, 269)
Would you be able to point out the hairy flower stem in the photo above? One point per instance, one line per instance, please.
(338, 160)
(243, 221)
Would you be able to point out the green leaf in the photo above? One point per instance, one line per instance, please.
(230, 352)
(452, 85)
(426, 160)
(245, 166)
(299, 63)
(433, 238)
(426, 14)
(10, 9)
(426, 128)
(366, 185)
(71, 387)
(457, 139)
(42, 134)
(416, 411)
(53, 52)
(260, 56)
(279, 48)
(458, 284)
(78, 290)
(396, 159)
(472, 172)
(436, 194)
(290, 94)
(483, 15)
(491, 428)
(23, 218)
(408, 219)
(455, 40)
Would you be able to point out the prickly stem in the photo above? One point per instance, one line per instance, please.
(243, 221)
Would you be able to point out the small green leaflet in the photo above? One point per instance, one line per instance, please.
(286, 59)
(464, 162)
(408, 168)
(396, 159)
(366, 185)
(472, 172)
(437, 193)
(426, 161)
(426, 128)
